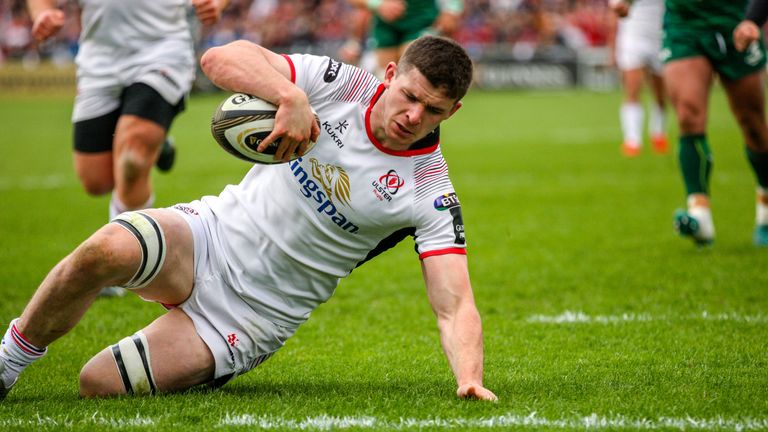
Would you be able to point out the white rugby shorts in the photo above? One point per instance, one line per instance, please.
(239, 338)
(636, 51)
(167, 66)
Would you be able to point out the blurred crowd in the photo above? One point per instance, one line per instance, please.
(518, 28)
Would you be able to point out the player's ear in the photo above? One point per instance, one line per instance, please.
(454, 109)
(389, 74)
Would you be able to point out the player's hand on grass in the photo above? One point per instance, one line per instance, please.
(744, 34)
(47, 23)
(208, 11)
(475, 391)
(295, 125)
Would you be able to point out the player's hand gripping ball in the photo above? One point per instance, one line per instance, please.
(241, 122)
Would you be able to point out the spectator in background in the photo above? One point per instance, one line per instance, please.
(15, 35)
(636, 52)
(522, 27)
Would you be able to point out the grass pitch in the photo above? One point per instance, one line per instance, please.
(595, 314)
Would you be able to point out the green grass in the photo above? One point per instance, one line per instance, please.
(558, 224)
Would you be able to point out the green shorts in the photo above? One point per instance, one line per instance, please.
(414, 24)
(717, 47)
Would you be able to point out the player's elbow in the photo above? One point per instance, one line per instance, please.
(216, 60)
(209, 60)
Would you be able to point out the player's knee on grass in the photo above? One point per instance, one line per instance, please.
(122, 368)
(100, 378)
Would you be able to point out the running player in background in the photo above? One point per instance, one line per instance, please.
(745, 36)
(247, 267)
(396, 23)
(636, 51)
(698, 42)
(135, 66)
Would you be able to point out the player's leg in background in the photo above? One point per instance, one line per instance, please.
(111, 256)
(385, 40)
(171, 356)
(137, 146)
(93, 152)
(747, 100)
(139, 137)
(631, 111)
(383, 57)
(657, 125)
(688, 83)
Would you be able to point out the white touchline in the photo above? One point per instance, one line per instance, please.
(531, 421)
(69, 421)
(569, 317)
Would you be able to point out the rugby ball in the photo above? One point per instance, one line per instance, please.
(241, 122)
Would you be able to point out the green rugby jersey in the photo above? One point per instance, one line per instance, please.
(703, 15)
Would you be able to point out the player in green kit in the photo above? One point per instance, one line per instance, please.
(397, 23)
(698, 42)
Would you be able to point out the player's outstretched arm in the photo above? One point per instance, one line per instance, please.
(461, 334)
(245, 67)
(47, 20)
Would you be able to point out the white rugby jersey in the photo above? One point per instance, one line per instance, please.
(120, 38)
(342, 203)
(644, 19)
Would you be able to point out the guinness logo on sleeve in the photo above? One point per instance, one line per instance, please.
(332, 72)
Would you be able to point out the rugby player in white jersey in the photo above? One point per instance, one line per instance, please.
(637, 46)
(242, 270)
(135, 65)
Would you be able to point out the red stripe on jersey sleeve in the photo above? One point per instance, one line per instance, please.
(293, 68)
(458, 251)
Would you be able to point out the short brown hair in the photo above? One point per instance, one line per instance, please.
(443, 62)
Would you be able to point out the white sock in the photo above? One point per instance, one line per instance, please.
(632, 122)
(761, 210)
(16, 352)
(703, 216)
(116, 206)
(657, 122)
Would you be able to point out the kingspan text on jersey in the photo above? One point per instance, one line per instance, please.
(313, 191)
